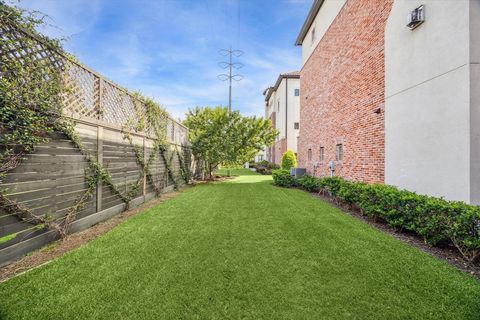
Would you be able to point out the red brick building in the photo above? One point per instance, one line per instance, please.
(343, 89)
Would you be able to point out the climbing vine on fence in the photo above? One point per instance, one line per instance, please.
(30, 98)
(155, 122)
(31, 109)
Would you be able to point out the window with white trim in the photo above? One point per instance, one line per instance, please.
(339, 152)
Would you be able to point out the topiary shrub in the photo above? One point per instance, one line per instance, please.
(289, 160)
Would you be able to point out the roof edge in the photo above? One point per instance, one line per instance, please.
(288, 75)
(317, 4)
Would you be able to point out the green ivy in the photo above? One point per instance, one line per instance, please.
(31, 110)
(30, 104)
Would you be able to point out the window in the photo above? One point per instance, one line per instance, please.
(296, 125)
(313, 36)
(278, 106)
(309, 155)
(339, 152)
(322, 154)
(297, 92)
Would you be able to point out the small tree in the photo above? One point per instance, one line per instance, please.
(219, 136)
(289, 160)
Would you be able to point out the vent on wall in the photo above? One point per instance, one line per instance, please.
(416, 17)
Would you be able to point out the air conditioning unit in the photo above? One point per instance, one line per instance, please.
(416, 17)
(298, 172)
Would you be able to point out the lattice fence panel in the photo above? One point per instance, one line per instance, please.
(14, 45)
(82, 95)
(87, 95)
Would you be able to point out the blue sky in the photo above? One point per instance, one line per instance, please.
(168, 49)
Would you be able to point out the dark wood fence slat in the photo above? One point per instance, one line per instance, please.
(53, 177)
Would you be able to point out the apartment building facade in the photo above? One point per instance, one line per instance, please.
(282, 107)
(386, 101)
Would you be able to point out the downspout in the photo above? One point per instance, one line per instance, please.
(286, 114)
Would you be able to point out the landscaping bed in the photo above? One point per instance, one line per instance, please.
(445, 224)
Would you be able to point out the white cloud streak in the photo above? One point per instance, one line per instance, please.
(168, 49)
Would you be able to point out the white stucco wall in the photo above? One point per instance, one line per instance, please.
(293, 114)
(328, 12)
(475, 100)
(428, 105)
(288, 114)
(280, 98)
(286, 130)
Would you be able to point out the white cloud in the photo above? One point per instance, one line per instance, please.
(66, 18)
(169, 49)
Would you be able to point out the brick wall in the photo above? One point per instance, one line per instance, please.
(280, 148)
(271, 149)
(342, 88)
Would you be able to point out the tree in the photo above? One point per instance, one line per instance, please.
(289, 160)
(222, 137)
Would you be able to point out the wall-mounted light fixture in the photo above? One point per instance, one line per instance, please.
(416, 17)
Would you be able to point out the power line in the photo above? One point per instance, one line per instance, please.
(230, 65)
(238, 23)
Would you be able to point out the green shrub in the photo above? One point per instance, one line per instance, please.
(309, 183)
(264, 163)
(350, 192)
(331, 185)
(436, 220)
(264, 167)
(464, 229)
(283, 178)
(431, 219)
(289, 160)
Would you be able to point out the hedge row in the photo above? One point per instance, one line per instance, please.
(437, 220)
(264, 167)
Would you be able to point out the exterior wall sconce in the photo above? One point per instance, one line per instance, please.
(416, 17)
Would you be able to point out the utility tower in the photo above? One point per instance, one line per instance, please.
(230, 65)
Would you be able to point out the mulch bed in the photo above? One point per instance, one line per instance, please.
(448, 253)
(75, 240)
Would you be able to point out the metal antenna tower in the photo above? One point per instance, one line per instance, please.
(230, 65)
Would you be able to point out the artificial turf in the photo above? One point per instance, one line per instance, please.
(243, 249)
(234, 172)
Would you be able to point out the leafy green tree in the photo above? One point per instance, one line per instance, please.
(222, 137)
(289, 160)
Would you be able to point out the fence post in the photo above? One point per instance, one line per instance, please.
(144, 171)
(100, 98)
(100, 162)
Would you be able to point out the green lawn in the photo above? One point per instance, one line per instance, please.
(235, 172)
(243, 249)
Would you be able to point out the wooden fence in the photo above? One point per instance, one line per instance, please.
(50, 180)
